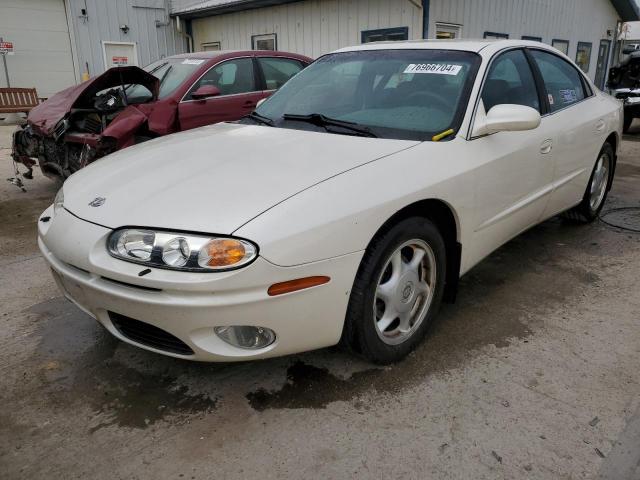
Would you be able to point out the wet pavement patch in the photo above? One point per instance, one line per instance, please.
(129, 398)
(309, 386)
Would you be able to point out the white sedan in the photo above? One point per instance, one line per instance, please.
(344, 210)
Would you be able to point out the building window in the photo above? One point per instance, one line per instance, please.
(562, 45)
(448, 31)
(385, 34)
(583, 56)
(264, 42)
(533, 39)
(495, 35)
(209, 46)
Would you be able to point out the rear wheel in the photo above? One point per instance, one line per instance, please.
(397, 291)
(597, 189)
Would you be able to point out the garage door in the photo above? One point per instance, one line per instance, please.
(39, 32)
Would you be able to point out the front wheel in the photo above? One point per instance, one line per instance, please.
(397, 291)
(597, 188)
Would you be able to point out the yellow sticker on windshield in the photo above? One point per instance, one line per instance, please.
(433, 68)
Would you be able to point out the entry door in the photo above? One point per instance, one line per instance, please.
(603, 61)
(119, 54)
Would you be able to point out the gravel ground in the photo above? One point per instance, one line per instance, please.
(533, 373)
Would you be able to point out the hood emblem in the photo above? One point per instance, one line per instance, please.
(97, 202)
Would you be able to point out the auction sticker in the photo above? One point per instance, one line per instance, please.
(568, 96)
(433, 68)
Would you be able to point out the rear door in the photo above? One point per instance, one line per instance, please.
(239, 93)
(574, 114)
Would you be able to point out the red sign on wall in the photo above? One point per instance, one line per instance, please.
(6, 47)
(120, 60)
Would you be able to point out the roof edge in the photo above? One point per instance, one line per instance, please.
(628, 10)
(196, 11)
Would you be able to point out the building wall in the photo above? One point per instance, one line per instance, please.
(573, 20)
(102, 23)
(311, 27)
(43, 57)
(315, 27)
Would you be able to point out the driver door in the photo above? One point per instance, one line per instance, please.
(514, 174)
(238, 97)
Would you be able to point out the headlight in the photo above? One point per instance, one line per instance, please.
(179, 251)
(58, 202)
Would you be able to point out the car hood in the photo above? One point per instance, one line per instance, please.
(45, 116)
(213, 179)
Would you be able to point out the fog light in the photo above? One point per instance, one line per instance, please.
(244, 336)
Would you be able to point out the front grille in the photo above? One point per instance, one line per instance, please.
(149, 335)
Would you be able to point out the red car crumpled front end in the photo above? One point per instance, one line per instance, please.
(85, 122)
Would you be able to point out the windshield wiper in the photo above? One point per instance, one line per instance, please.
(321, 120)
(164, 75)
(260, 118)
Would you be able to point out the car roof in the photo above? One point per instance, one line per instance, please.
(464, 45)
(231, 53)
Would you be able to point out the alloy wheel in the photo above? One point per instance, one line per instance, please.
(404, 291)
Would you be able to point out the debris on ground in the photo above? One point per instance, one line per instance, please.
(594, 422)
(496, 456)
(17, 182)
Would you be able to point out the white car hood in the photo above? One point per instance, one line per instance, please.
(213, 179)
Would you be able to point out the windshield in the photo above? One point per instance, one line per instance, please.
(403, 94)
(171, 72)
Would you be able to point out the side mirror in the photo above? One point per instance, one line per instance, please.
(507, 118)
(629, 50)
(205, 91)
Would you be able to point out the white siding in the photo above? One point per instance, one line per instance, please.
(311, 27)
(573, 20)
(39, 31)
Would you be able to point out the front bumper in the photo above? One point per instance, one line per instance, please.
(188, 305)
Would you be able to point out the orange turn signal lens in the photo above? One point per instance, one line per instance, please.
(223, 252)
(295, 285)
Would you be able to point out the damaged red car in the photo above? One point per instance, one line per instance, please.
(129, 105)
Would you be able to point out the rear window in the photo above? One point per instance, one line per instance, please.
(277, 71)
(562, 81)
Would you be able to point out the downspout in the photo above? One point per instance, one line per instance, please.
(72, 43)
(425, 18)
(186, 34)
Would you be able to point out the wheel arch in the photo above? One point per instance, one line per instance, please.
(444, 216)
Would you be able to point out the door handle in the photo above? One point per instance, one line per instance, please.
(600, 125)
(546, 146)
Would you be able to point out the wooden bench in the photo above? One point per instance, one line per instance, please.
(16, 100)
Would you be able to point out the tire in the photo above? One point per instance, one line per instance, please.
(405, 288)
(628, 120)
(594, 196)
